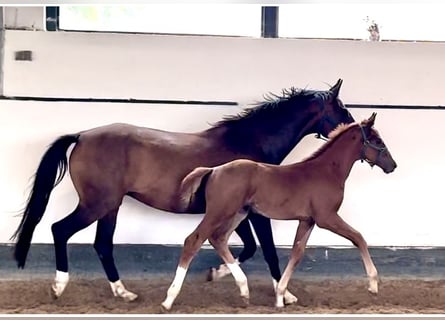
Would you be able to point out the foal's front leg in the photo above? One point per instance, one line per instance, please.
(302, 236)
(263, 230)
(337, 225)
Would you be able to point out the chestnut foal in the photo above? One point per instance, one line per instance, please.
(288, 192)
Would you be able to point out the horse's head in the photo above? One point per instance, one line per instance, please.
(333, 111)
(374, 150)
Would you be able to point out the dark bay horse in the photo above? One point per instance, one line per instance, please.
(310, 191)
(112, 161)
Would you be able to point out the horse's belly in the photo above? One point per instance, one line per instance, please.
(160, 199)
(167, 200)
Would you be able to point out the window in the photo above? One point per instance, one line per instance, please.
(394, 21)
(204, 19)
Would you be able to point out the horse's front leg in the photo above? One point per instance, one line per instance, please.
(337, 225)
(302, 236)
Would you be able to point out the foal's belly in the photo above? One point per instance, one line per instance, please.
(297, 212)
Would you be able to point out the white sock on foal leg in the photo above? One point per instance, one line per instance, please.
(240, 279)
(175, 287)
(289, 298)
(60, 282)
(119, 290)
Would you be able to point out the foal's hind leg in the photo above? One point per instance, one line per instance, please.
(222, 248)
(337, 225)
(62, 230)
(103, 245)
(218, 240)
(302, 236)
(244, 231)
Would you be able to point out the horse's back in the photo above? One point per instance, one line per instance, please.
(145, 163)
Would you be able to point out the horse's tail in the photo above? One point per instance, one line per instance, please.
(192, 182)
(50, 172)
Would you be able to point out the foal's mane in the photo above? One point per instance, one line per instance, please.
(333, 136)
(262, 110)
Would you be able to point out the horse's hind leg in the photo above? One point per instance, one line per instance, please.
(302, 236)
(62, 230)
(263, 230)
(103, 245)
(337, 225)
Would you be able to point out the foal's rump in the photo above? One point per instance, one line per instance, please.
(230, 175)
(192, 183)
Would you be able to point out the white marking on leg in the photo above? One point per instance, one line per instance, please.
(222, 271)
(288, 297)
(373, 280)
(279, 297)
(174, 288)
(281, 290)
(60, 283)
(119, 290)
(371, 271)
(240, 279)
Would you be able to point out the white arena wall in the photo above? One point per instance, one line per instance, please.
(404, 208)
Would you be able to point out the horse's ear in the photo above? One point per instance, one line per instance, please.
(371, 120)
(335, 89)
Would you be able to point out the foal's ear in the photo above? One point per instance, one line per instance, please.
(335, 89)
(371, 120)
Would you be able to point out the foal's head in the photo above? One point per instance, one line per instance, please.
(374, 150)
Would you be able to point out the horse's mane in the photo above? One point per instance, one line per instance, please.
(333, 136)
(271, 102)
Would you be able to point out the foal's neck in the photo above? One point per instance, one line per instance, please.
(343, 153)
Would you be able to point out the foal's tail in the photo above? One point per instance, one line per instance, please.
(191, 183)
(46, 178)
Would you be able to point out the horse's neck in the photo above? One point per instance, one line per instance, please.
(342, 155)
(281, 138)
(270, 142)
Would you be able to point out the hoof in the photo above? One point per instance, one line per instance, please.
(129, 296)
(217, 274)
(289, 298)
(162, 309)
(59, 284)
(373, 291)
(57, 290)
(53, 294)
(245, 302)
(119, 290)
(166, 306)
(279, 304)
(211, 274)
(373, 286)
